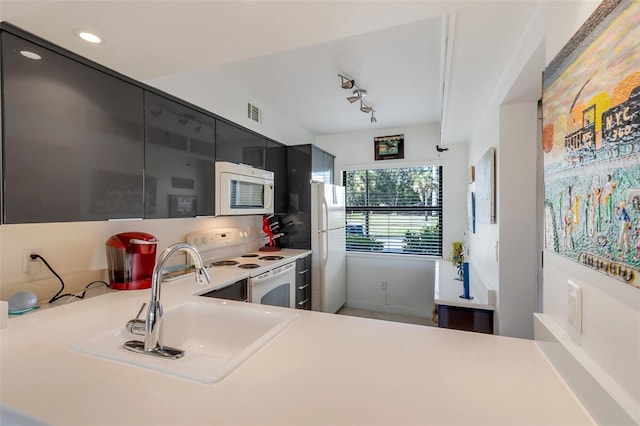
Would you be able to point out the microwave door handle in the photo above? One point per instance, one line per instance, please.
(268, 196)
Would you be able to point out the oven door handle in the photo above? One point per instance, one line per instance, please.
(266, 276)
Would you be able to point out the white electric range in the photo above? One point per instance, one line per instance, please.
(272, 274)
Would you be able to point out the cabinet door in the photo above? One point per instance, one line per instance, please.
(299, 172)
(179, 160)
(73, 139)
(317, 164)
(327, 167)
(321, 165)
(237, 145)
(277, 163)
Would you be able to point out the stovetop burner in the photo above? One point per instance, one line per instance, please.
(225, 263)
(249, 266)
(271, 257)
(250, 255)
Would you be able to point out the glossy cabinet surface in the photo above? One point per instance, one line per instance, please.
(277, 163)
(238, 145)
(82, 142)
(72, 139)
(179, 159)
(303, 283)
(305, 163)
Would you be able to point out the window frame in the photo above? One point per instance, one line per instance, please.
(388, 209)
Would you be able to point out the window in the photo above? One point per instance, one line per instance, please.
(394, 210)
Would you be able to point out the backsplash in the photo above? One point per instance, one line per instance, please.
(76, 250)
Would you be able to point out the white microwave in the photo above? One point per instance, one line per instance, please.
(242, 190)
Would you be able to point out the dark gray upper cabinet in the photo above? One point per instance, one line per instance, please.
(73, 138)
(277, 163)
(238, 145)
(179, 159)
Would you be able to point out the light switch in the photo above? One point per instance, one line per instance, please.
(574, 308)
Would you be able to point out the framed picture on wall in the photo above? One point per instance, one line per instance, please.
(388, 147)
(485, 198)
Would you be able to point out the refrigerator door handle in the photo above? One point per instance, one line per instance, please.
(325, 215)
(325, 252)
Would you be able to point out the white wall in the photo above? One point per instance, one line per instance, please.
(609, 347)
(409, 280)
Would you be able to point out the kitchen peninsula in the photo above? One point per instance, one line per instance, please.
(323, 369)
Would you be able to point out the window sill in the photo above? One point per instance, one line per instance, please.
(399, 256)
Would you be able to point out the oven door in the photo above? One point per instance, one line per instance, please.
(276, 287)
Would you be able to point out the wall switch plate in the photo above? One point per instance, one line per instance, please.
(31, 266)
(574, 308)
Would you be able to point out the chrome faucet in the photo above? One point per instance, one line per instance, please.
(152, 344)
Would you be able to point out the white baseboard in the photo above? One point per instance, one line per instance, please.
(605, 400)
(390, 309)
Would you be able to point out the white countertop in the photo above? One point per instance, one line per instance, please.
(448, 288)
(324, 369)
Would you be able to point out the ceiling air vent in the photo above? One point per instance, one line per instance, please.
(253, 112)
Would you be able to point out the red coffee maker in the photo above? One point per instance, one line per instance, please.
(131, 257)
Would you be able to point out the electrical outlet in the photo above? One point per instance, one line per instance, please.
(383, 284)
(31, 266)
(574, 308)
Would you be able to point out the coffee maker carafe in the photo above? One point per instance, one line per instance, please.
(131, 257)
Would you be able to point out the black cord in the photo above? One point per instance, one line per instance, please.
(58, 296)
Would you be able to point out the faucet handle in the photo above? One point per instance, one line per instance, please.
(200, 272)
(136, 325)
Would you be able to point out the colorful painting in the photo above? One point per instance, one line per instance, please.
(591, 144)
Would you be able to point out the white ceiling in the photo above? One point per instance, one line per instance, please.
(418, 60)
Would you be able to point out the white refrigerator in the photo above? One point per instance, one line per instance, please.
(329, 263)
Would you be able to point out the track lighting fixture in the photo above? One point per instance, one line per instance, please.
(358, 94)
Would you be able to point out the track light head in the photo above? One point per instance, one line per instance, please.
(358, 94)
(365, 108)
(347, 83)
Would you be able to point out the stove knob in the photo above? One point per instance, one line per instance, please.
(205, 241)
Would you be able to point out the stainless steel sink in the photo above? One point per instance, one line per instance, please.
(217, 338)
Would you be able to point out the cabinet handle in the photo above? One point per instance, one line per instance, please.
(302, 287)
(303, 302)
(303, 272)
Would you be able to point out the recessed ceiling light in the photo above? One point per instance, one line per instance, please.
(31, 55)
(87, 36)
